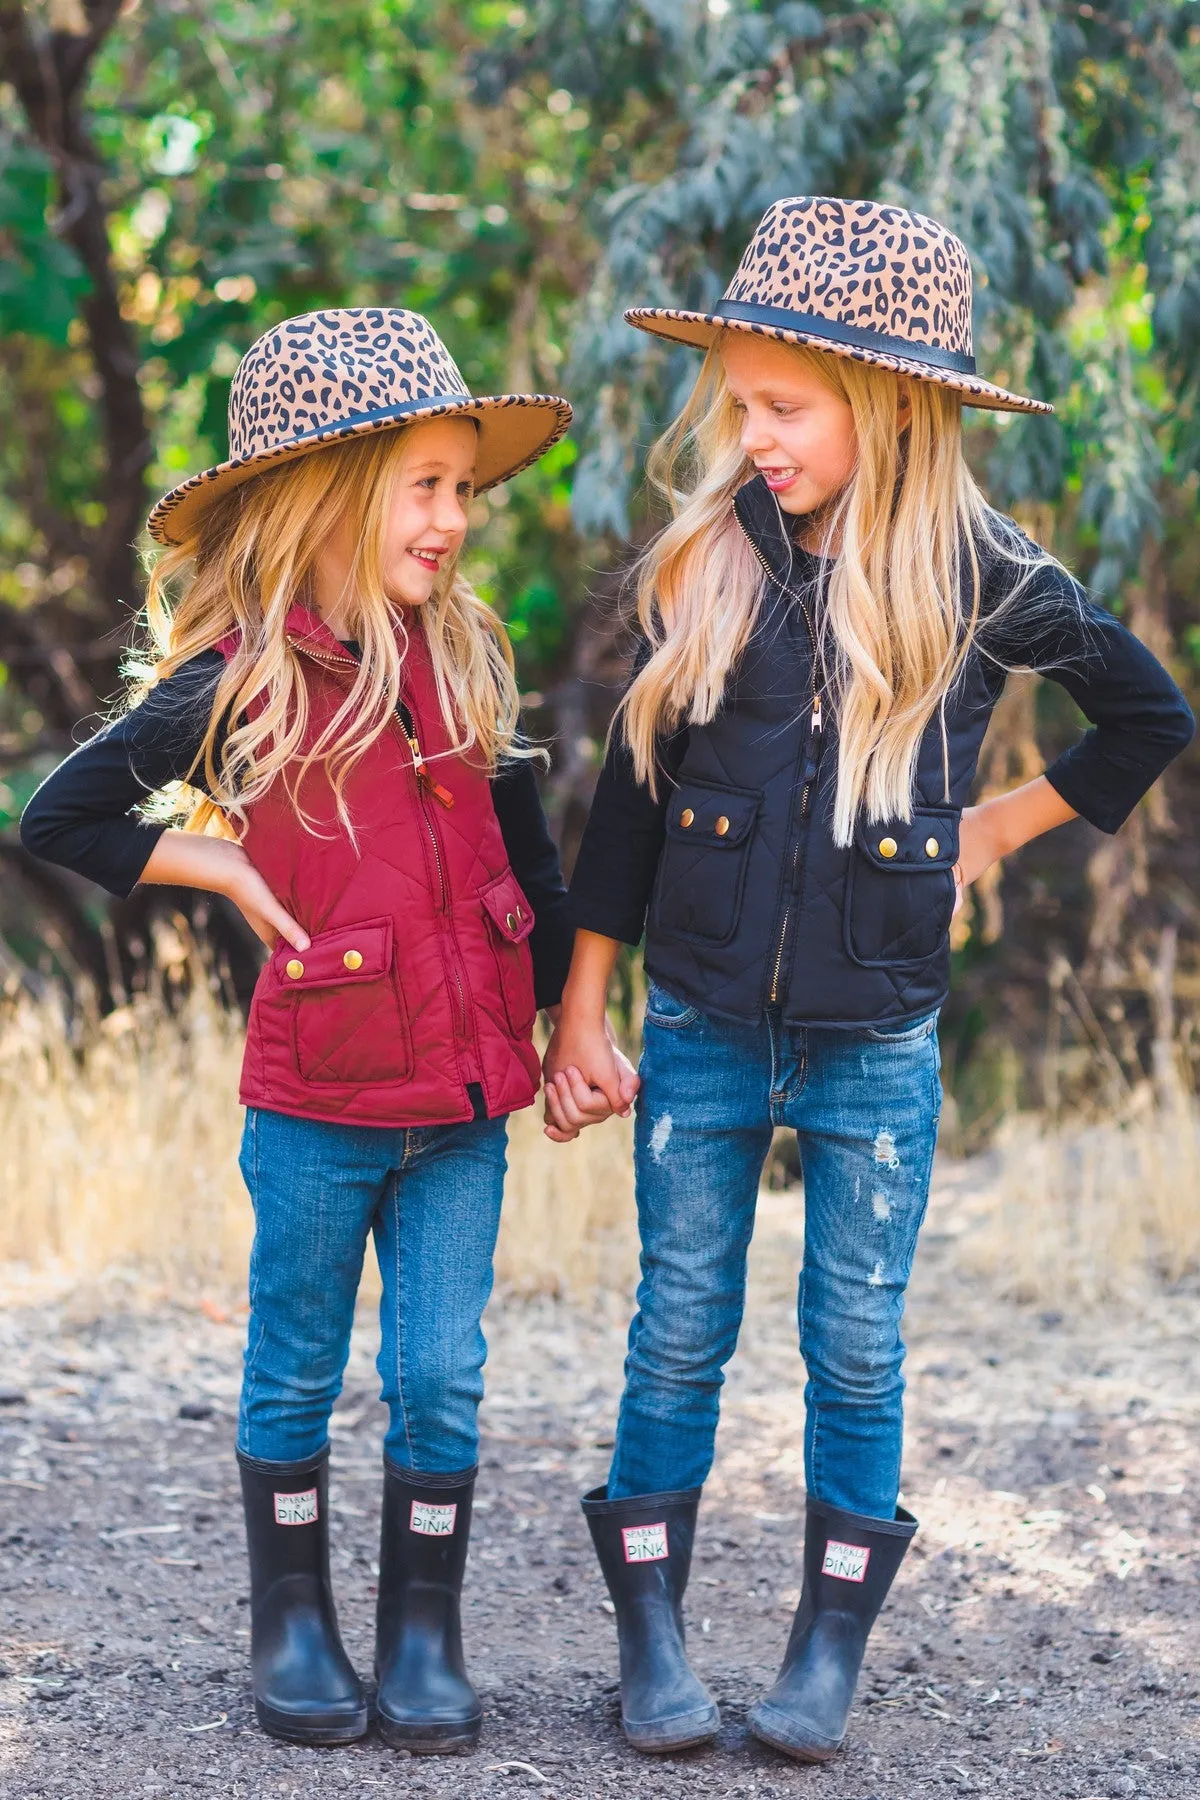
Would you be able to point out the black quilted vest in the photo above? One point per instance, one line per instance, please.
(754, 905)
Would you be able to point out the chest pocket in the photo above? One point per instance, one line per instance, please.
(900, 888)
(703, 869)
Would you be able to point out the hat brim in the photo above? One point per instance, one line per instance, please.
(701, 330)
(514, 431)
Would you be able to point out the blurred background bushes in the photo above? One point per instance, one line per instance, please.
(177, 175)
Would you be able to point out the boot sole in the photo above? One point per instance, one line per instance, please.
(430, 1740)
(295, 1731)
(759, 1723)
(675, 1735)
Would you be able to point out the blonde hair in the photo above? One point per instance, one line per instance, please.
(895, 628)
(239, 570)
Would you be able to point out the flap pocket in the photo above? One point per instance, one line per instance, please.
(348, 954)
(929, 841)
(507, 908)
(715, 818)
(702, 871)
(900, 888)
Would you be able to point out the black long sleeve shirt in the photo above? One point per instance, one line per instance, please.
(1139, 722)
(83, 816)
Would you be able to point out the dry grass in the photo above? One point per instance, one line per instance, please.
(120, 1144)
(120, 1138)
(1089, 1212)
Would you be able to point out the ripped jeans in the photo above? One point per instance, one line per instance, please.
(864, 1106)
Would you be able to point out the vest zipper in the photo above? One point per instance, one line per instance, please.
(425, 783)
(810, 761)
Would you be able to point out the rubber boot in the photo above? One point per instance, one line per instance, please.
(645, 1549)
(304, 1686)
(425, 1703)
(850, 1562)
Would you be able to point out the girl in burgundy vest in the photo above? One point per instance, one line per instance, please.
(342, 710)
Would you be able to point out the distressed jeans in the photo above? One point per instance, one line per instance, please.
(864, 1105)
(431, 1197)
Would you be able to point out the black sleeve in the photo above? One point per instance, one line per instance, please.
(82, 815)
(622, 842)
(534, 859)
(1140, 721)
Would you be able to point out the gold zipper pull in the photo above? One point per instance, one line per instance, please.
(439, 792)
(816, 712)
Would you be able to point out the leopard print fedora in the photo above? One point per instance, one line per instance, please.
(326, 376)
(875, 283)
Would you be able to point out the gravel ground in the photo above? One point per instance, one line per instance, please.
(1041, 1640)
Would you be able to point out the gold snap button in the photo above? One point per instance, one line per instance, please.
(932, 847)
(888, 846)
(512, 921)
(353, 959)
(520, 914)
(295, 968)
(721, 826)
(687, 817)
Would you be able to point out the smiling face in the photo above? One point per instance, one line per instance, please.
(797, 431)
(432, 487)
(427, 516)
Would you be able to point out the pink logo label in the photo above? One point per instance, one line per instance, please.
(296, 1509)
(432, 1521)
(645, 1543)
(846, 1562)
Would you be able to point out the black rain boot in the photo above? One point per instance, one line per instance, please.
(850, 1562)
(645, 1549)
(425, 1703)
(304, 1686)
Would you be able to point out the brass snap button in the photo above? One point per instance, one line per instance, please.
(932, 847)
(353, 959)
(888, 846)
(512, 921)
(721, 826)
(295, 968)
(687, 817)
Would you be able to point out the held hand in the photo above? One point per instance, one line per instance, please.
(587, 1080)
(258, 905)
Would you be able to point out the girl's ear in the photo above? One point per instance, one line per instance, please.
(903, 408)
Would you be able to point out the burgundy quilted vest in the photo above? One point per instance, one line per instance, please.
(418, 980)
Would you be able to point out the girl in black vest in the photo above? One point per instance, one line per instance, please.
(828, 620)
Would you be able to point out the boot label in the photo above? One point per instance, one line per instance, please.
(848, 1562)
(645, 1543)
(296, 1509)
(432, 1521)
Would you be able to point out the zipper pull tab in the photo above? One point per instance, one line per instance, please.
(816, 714)
(439, 792)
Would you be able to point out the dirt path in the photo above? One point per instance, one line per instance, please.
(1042, 1640)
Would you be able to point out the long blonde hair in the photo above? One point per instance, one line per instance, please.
(240, 569)
(895, 628)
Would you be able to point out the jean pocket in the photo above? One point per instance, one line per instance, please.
(665, 1010)
(903, 1033)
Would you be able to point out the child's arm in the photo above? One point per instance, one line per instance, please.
(587, 1077)
(188, 859)
(1000, 826)
(84, 817)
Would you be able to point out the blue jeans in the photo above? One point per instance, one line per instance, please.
(864, 1106)
(431, 1196)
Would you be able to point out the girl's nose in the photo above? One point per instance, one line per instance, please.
(755, 436)
(450, 515)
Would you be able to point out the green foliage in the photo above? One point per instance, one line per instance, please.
(41, 279)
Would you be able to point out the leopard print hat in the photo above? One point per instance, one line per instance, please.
(875, 283)
(325, 376)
